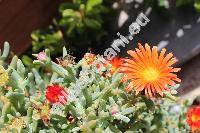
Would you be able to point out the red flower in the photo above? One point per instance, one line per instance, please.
(116, 63)
(193, 118)
(56, 93)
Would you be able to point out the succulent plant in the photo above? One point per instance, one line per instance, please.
(79, 97)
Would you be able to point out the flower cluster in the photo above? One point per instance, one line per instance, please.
(91, 95)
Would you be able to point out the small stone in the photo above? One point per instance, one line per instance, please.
(123, 17)
(189, 26)
(162, 44)
(180, 33)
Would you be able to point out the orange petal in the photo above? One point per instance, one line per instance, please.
(129, 88)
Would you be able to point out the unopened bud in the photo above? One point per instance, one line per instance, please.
(114, 110)
(42, 56)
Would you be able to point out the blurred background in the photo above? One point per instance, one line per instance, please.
(92, 25)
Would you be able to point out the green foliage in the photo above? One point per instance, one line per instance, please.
(95, 103)
(183, 2)
(178, 3)
(47, 39)
(197, 5)
(82, 21)
(79, 24)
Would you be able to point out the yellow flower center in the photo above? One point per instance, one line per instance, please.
(195, 118)
(150, 74)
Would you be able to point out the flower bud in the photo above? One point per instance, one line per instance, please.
(114, 110)
(42, 56)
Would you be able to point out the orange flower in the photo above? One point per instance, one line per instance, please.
(113, 65)
(149, 71)
(193, 118)
(89, 58)
(115, 62)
